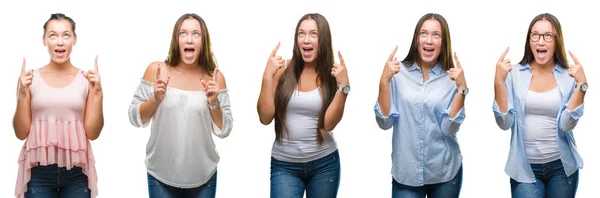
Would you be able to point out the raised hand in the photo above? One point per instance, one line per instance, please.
(25, 79)
(93, 77)
(211, 88)
(160, 85)
(339, 72)
(503, 66)
(457, 74)
(576, 71)
(392, 66)
(275, 63)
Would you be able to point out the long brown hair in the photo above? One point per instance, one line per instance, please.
(205, 57)
(559, 51)
(445, 57)
(291, 76)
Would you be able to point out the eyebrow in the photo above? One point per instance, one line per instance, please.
(51, 31)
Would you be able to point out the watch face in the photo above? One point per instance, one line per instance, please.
(584, 87)
(466, 91)
(346, 89)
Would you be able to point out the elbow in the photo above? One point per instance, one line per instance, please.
(21, 136)
(265, 120)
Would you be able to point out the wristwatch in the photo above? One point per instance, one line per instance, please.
(583, 87)
(463, 92)
(344, 89)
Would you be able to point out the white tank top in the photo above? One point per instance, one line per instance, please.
(299, 143)
(540, 137)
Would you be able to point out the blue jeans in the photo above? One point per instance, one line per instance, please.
(53, 182)
(157, 189)
(448, 189)
(320, 178)
(550, 181)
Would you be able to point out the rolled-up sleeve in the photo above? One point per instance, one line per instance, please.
(227, 119)
(568, 119)
(450, 126)
(144, 91)
(505, 120)
(386, 122)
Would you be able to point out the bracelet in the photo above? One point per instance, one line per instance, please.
(212, 107)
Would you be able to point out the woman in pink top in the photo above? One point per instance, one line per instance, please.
(59, 110)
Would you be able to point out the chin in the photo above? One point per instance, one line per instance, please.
(60, 60)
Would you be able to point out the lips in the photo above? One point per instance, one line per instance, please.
(428, 50)
(60, 52)
(307, 51)
(541, 52)
(189, 52)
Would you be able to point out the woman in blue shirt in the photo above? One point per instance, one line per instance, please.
(540, 100)
(423, 100)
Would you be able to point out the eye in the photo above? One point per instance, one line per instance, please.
(52, 36)
(66, 36)
(535, 35)
(196, 34)
(301, 34)
(182, 33)
(314, 34)
(548, 36)
(437, 35)
(422, 34)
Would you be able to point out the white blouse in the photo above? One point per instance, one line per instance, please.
(181, 152)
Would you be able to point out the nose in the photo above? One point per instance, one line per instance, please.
(429, 39)
(541, 42)
(188, 39)
(60, 41)
(306, 40)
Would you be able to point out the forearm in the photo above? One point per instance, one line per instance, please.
(384, 97)
(94, 119)
(147, 109)
(217, 117)
(500, 95)
(457, 104)
(22, 117)
(576, 100)
(334, 113)
(266, 101)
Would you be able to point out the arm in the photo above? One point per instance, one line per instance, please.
(22, 117)
(144, 104)
(385, 106)
(454, 116)
(573, 110)
(503, 107)
(335, 111)
(221, 116)
(266, 99)
(93, 121)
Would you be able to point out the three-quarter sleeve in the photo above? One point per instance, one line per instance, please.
(568, 119)
(227, 119)
(144, 91)
(505, 120)
(386, 122)
(450, 126)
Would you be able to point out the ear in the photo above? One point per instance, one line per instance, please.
(44, 41)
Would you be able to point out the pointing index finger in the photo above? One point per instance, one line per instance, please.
(158, 72)
(275, 50)
(96, 63)
(503, 55)
(23, 66)
(341, 59)
(393, 54)
(457, 61)
(574, 58)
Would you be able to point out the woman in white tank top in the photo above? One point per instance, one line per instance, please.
(306, 97)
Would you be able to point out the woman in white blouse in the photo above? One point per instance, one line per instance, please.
(181, 157)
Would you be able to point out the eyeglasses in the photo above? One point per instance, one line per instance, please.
(536, 36)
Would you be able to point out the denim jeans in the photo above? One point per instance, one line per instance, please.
(157, 189)
(320, 178)
(57, 182)
(550, 181)
(450, 189)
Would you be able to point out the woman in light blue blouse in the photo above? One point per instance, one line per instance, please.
(541, 100)
(422, 98)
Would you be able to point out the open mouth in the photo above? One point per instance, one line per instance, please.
(189, 51)
(60, 52)
(428, 50)
(307, 50)
(541, 52)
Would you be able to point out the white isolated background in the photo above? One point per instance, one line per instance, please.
(128, 35)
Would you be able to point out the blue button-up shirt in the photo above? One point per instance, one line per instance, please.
(424, 146)
(517, 84)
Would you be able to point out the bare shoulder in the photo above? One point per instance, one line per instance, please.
(151, 70)
(221, 80)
